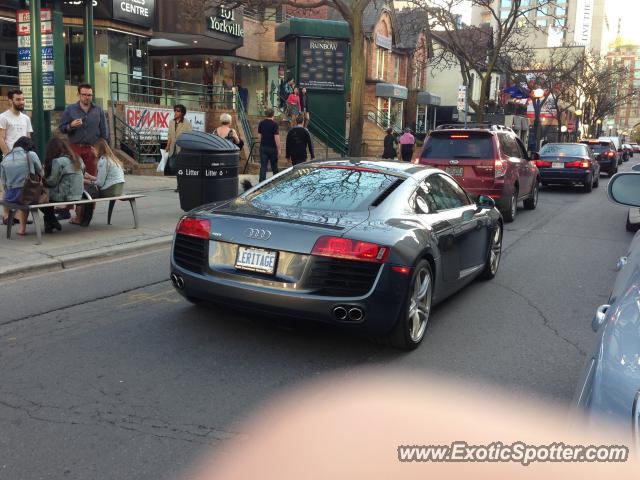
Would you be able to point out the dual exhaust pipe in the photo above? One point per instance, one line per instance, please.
(348, 313)
(177, 281)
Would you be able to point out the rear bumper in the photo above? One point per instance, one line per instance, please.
(608, 165)
(567, 176)
(381, 305)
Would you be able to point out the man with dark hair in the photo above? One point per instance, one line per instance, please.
(85, 122)
(14, 123)
(269, 144)
(298, 139)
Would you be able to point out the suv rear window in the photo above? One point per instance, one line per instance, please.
(600, 146)
(459, 145)
(326, 188)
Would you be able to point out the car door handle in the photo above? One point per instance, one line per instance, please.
(599, 317)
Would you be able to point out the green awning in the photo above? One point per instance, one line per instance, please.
(311, 27)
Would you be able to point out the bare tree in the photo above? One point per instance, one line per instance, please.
(482, 50)
(352, 12)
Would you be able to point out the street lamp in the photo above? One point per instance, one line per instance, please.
(538, 93)
(578, 113)
(598, 123)
(563, 130)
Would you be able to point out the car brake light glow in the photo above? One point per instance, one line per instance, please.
(459, 136)
(403, 270)
(610, 153)
(542, 163)
(194, 227)
(338, 247)
(500, 167)
(578, 164)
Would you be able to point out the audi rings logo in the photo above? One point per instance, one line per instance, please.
(257, 233)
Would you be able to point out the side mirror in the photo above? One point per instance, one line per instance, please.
(624, 188)
(485, 202)
(636, 167)
(534, 156)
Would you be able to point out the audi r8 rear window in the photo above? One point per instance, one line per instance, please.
(457, 144)
(326, 188)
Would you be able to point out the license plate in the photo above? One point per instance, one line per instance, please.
(557, 165)
(454, 171)
(256, 260)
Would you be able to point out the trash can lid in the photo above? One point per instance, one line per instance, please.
(205, 142)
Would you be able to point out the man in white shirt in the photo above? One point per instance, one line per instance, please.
(14, 123)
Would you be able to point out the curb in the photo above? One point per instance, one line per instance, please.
(82, 258)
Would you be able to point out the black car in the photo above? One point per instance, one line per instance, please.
(568, 164)
(606, 155)
(367, 244)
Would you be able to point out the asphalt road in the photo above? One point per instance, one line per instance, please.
(107, 373)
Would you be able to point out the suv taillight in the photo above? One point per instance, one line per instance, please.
(611, 153)
(500, 168)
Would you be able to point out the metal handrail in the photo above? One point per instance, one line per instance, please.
(244, 123)
(382, 119)
(126, 130)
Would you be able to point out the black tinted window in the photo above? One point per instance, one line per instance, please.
(344, 189)
(458, 145)
(509, 146)
(601, 147)
(444, 193)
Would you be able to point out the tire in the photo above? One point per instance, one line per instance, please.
(494, 254)
(588, 185)
(407, 335)
(509, 214)
(532, 202)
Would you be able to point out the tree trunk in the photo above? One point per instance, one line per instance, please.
(358, 74)
(484, 96)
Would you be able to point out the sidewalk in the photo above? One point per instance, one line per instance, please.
(158, 214)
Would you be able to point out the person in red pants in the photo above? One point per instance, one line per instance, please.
(84, 123)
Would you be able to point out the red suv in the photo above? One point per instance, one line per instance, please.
(488, 161)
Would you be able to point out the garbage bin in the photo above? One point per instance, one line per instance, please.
(207, 169)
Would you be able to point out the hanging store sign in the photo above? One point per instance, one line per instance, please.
(136, 12)
(322, 63)
(584, 22)
(23, 21)
(384, 42)
(225, 22)
(156, 121)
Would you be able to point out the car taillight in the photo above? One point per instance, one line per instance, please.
(500, 168)
(194, 227)
(579, 164)
(611, 154)
(338, 247)
(542, 163)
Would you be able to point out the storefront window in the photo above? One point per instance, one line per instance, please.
(421, 119)
(396, 112)
(8, 56)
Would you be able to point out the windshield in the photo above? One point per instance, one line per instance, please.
(562, 150)
(458, 146)
(325, 188)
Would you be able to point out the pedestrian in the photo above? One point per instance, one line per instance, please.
(225, 130)
(85, 122)
(407, 144)
(64, 175)
(304, 104)
(14, 123)
(293, 104)
(390, 145)
(269, 144)
(177, 127)
(298, 140)
(14, 169)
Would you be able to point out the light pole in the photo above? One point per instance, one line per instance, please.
(578, 113)
(538, 93)
(598, 123)
(563, 130)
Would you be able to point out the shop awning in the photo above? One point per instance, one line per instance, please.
(391, 90)
(427, 98)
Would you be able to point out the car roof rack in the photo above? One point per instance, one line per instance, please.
(476, 125)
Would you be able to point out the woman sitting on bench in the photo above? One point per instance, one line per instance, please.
(109, 178)
(63, 170)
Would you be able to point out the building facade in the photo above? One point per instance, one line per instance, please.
(627, 116)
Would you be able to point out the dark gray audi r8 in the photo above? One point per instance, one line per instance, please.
(367, 243)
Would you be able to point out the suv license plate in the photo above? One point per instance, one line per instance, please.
(256, 260)
(454, 171)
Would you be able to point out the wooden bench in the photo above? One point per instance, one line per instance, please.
(38, 220)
